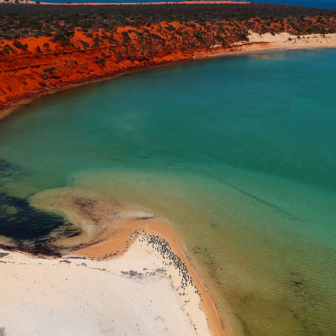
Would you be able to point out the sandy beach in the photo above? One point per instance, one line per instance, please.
(288, 41)
(127, 272)
(121, 284)
(138, 281)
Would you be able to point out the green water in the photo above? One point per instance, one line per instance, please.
(239, 153)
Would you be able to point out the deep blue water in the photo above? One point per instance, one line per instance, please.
(328, 4)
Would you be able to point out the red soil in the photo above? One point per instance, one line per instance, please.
(29, 73)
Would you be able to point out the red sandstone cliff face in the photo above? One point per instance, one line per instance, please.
(47, 65)
(32, 66)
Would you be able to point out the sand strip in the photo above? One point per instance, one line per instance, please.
(153, 230)
(137, 293)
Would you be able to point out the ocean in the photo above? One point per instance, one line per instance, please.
(237, 152)
(327, 4)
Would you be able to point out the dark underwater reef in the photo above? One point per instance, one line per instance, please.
(27, 226)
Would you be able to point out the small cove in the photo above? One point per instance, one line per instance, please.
(238, 153)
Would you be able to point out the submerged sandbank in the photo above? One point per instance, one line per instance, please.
(121, 240)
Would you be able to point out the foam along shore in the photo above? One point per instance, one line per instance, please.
(147, 290)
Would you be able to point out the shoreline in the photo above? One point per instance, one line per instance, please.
(110, 231)
(261, 44)
(117, 227)
(103, 251)
(124, 239)
(152, 242)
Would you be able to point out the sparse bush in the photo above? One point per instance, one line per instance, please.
(5, 51)
(126, 37)
(50, 71)
(19, 45)
(11, 48)
(38, 21)
(100, 61)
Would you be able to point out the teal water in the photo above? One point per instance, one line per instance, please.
(238, 152)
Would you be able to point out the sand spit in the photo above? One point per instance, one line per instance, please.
(146, 291)
(157, 236)
(124, 251)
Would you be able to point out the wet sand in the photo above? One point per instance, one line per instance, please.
(110, 230)
(161, 230)
(126, 279)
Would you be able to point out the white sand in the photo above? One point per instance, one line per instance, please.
(85, 297)
(288, 41)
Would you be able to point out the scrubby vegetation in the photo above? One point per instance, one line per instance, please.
(46, 47)
(24, 20)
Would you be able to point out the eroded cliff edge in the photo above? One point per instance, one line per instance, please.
(46, 47)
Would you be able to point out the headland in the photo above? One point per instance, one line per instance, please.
(45, 48)
(132, 277)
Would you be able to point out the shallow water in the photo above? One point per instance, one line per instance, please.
(238, 152)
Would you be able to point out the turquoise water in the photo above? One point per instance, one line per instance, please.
(238, 152)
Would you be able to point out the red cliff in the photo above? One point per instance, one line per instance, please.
(31, 66)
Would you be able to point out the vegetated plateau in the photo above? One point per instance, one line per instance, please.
(46, 47)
